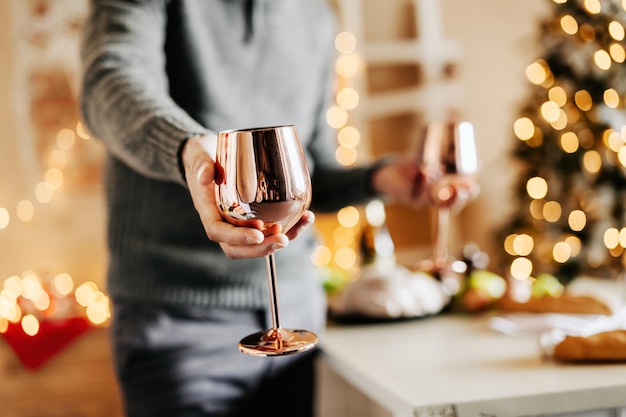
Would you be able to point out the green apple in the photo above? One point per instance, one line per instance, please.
(547, 285)
(491, 283)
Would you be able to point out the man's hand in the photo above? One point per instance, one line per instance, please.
(248, 241)
(401, 180)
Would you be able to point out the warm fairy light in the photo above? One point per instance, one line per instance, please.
(574, 244)
(25, 210)
(347, 98)
(336, 117)
(521, 268)
(347, 65)
(617, 251)
(561, 252)
(550, 111)
(537, 73)
(552, 211)
(13, 286)
(593, 6)
(563, 1)
(57, 159)
(7, 301)
(346, 156)
(345, 258)
(569, 25)
(614, 141)
(624, 5)
(65, 139)
(571, 112)
(561, 122)
(523, 244)
(98, 310)
(30, 325)
(536, 209)
(54, 177)
(611, 98)
(348, 216)
(569, 142)
(577, 220)
(63, 284)
(537, 187)
(343, 236)
(536, 140)
(617, 52)
(558, 95)
(616, 30)
(43, 192)
(349, 137)
(509, 246)
(4, 218)
(85, 293)
(345, 42)
(31, 286)
(611, 237)
(375, 213)
(4, 325)
(592, 161)
(524, 128)
(602, 59)
(583, 100)
(42, 303)
(321, 256)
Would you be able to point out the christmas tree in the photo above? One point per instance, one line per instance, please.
(571, 145)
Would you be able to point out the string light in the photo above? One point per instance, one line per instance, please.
(569, 25)
(524, 128)
(616, 30)
(602, 59)
(53, 179)
(593, 6)
(28, 299)
(537, 187)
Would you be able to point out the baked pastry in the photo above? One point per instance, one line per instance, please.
(570, 304)
(604, 346)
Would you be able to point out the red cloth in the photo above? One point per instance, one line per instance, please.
(53, 336)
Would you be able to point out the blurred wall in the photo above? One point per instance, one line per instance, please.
(45, 164)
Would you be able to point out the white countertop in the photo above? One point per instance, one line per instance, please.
(457, 366)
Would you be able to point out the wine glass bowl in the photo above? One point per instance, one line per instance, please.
(449, 165)
(262, 176)
(448, 161)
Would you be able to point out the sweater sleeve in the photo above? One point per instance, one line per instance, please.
(124, 96)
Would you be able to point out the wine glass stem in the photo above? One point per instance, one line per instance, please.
(271, 282)
(441, 245)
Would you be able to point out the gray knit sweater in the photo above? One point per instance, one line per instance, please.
(157, 72)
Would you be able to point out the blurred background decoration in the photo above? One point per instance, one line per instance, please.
(571, 149)
(51, 211)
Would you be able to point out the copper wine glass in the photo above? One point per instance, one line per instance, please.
(449, 163)
(262, 175)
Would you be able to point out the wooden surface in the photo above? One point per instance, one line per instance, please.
(78, 382)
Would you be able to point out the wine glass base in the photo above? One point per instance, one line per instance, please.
(278, 342)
